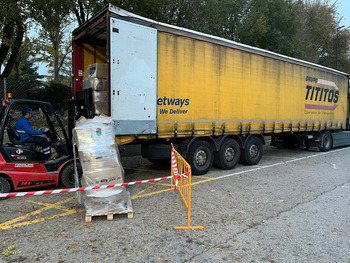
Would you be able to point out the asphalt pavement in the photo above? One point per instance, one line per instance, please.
(292, 207)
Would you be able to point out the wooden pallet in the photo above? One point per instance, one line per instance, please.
(88, 218)
(129, 211)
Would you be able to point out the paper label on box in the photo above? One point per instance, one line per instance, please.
(99, 137)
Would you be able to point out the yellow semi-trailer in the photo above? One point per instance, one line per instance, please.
(213, 98)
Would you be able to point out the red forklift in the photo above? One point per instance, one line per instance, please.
(21, 164)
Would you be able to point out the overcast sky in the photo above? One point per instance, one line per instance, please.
(344, 11)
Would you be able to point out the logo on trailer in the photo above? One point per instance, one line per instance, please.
(318, 94)
(178, 103)
(19, 151)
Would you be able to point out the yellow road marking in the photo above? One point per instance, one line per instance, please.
(204, 181)
(47, 206)
(68, 211)
(16, 222)
(166, 190)
(142, 191)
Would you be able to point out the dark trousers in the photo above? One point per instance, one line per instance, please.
(43, 143)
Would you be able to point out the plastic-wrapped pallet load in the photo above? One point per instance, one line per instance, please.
(100, 160)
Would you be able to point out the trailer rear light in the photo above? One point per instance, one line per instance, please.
(315, 139)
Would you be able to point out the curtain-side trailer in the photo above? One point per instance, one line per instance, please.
(213, 98)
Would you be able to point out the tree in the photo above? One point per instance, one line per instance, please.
(304, 29)
(318, 34)
(343, 49)
(12, 28)
(232, 14)
(271, 25)
(83, 9)
(24, 78)
(27, 72)
(53, 17)
(204, 16)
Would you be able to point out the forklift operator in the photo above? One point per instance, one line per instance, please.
(27, 133)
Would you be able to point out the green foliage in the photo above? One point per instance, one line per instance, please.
(317, 32)
(11, 250)
(53, 17)
(12, 29)
(343, 50)
(271, 25)
(24, 78)
(57, 94)
(305, 29)
(26, 72)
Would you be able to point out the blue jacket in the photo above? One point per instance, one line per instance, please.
(25, 129)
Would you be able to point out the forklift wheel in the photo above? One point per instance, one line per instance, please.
(67, 175)
(5, 186)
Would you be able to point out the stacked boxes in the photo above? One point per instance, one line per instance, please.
(100, 160)
(96, 79)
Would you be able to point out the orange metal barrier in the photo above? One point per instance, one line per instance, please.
(181, 180)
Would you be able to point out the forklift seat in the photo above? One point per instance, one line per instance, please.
(14, 137)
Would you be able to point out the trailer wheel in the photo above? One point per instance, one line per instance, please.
(67, 175)
(5, 186)
(253, 151)
(228, 155)
(200, 157)
(327, 142)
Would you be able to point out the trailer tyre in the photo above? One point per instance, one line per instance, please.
(67, 175)
(253, 151)
(228, 155)
(200, 157)
(327, 142)
(5, 186)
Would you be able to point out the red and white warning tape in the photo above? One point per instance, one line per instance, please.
(334, 167)
(174, 167)
(70, 190)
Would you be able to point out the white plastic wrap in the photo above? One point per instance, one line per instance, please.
(101, 102)
(100, 160)
(95, 83)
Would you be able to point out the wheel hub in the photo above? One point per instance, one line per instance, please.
(201, 157)
(229, 154)
(327, 141)
(254, 151)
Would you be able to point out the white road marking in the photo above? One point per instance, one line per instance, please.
(281, 163)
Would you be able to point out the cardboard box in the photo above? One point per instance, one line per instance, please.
(95, 162)
(98, 70)
(95, 84)
(101, 102)
(105, 176)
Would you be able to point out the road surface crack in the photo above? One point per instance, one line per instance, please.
(254, 225)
